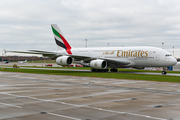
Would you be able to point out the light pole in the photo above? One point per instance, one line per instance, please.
(162, 45)
(86, 43)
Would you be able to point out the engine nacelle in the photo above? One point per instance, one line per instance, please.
(64, 60)
(98, 64)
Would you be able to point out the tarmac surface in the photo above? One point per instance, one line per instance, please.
(53, 97)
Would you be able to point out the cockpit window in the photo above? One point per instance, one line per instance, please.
(167, 55)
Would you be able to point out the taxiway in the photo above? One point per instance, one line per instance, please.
(50, 97)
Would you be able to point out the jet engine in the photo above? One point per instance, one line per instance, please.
(98, 64)
(64, 60)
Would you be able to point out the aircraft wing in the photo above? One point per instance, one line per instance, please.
(52, 55)
(116, 62)
(82, 57)
(110, 61)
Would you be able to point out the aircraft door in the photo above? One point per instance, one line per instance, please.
(89, 52)
(75, 51)
(157, 57)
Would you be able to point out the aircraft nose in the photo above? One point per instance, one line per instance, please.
(173, 61)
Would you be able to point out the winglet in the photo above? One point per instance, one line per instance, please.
(60, 39)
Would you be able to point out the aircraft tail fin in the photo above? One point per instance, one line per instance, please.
(60, 39)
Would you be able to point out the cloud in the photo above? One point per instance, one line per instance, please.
(25, 24)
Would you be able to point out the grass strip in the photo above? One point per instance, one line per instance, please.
(161, 78)
(119, 69)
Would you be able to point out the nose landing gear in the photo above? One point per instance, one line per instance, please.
(164, 71)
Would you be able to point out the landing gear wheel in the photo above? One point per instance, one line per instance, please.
(106, 70)
(164, 72)
(93, 70)
(99, 70)
(113, 70)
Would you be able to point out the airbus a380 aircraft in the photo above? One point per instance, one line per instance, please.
(101, 58)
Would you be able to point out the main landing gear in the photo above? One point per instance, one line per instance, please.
(113, 70)
(99, 70)
(103, 70)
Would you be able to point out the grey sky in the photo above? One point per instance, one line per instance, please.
(25, 24)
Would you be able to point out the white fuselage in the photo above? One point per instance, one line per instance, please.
(137, 56)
